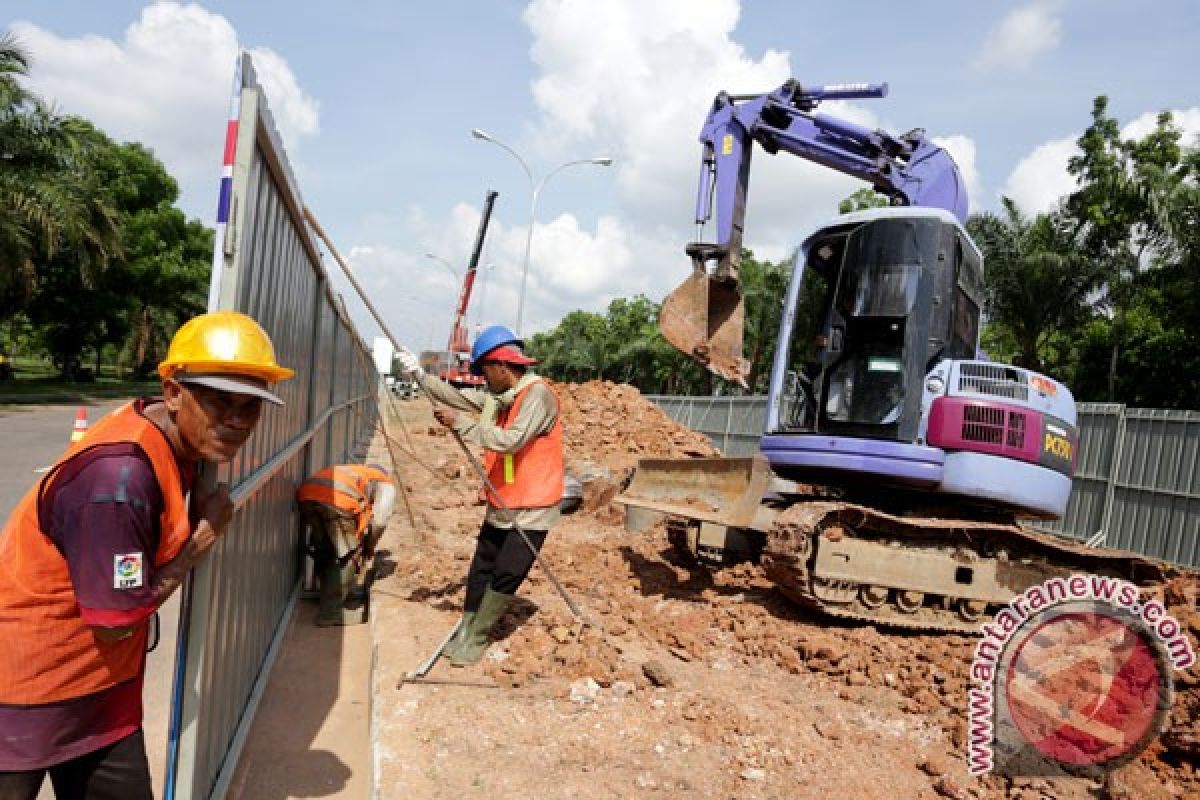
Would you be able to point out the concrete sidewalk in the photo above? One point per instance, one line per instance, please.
(311, 735)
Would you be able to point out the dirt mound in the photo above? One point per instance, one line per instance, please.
(1182, 737)
(710, 684)
(612, 425)
(607, 427)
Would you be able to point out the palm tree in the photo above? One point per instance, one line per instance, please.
(1038, 281)
(50, 199)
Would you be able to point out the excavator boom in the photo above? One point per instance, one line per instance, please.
(705, 316)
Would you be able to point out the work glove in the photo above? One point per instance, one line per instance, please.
(409, 363)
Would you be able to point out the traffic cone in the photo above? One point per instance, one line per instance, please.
(81, 425)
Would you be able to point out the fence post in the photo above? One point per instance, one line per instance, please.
(728, 425)
(1110, 489)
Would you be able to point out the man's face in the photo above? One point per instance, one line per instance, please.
(498, 376)
(212, 424)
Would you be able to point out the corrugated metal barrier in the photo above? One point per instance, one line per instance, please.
(1137, 479)
(735, 424)
(237, 601)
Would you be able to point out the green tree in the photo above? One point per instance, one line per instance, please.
(1132, 211)
(764, 285)
(861, 200)
(1038, 282)
(625, 344)
(164, 275)
(52, 206)
(137, 302)
(578, 349)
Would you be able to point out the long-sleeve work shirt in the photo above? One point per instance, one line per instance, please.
(535, 417)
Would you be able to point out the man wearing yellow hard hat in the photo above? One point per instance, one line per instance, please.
(99, 543)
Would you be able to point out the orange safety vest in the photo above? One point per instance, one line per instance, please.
(49, 652)
(532, 477)
(345, 487)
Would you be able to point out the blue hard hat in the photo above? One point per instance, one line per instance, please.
(488, 340)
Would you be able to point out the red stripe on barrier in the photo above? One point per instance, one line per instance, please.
(231, 132)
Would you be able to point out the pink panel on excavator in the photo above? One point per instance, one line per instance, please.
(956, 423)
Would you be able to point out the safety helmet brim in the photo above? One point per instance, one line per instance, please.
(234, 384)
(503, 355)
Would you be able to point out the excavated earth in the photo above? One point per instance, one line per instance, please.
(686, 683)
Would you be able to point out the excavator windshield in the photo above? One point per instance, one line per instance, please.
(860, 345)
(880, 290)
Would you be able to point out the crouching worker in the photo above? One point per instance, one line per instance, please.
(345, 509)
(517, 422)
(99, 543)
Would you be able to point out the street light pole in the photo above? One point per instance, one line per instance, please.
(535, 189)
(444, 262)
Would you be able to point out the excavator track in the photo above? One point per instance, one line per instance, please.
(927, 572)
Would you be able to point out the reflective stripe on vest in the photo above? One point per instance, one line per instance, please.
(49, 652)
(338, 486)
(345, 487)
(532, 477)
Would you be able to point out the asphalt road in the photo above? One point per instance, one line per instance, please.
(30, 438)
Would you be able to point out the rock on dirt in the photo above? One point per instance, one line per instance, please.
(760, 696)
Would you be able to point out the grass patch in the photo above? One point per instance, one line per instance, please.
(52, 391)
(37, 382)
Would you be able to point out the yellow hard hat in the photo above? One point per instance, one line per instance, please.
(223, 343)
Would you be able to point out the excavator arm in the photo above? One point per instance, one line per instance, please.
(705, 316)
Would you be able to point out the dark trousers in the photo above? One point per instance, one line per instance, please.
(117, 772)
(501, 562)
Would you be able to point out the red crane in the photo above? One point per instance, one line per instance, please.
(453, 364)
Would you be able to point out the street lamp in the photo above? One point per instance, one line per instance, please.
(535, 189)
(447, 264)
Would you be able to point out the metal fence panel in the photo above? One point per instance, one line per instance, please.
(1137, 479)
(237, 600)
(1100, 426)
(733, 424)
(1156, 486)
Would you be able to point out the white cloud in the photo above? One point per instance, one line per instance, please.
(635, 79)
(165, 84)
(1040, 180)
(1021, 37)
(1188, 120)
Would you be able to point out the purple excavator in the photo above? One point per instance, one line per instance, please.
(895, 460)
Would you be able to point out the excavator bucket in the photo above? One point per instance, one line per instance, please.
(725, 491)
(705, 318)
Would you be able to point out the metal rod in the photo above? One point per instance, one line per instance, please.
(447, 682)
(474, 462)
(428, 663)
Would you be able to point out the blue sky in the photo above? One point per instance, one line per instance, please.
(376, 101)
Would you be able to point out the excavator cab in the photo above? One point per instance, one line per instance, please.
(894, 292)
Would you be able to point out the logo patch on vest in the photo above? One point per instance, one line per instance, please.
(127, 571)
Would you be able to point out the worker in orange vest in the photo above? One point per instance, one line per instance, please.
(345, 509)
(517, 422)
(99, 543)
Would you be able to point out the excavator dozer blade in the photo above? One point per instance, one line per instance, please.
(727, 491)
(705, 319)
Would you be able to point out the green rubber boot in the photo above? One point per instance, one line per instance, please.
(475, 641)
(460, 635)
(335, 581)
